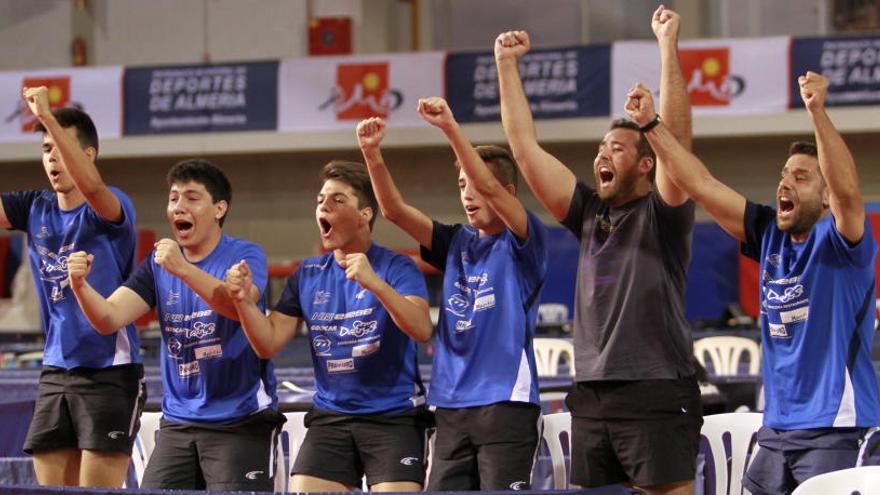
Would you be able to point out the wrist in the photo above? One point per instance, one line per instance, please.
(650, 125)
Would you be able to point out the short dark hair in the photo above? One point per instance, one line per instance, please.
(355, 175)
(86, 132)
(203, 172)
(643, 148)
(803, 148)
(500, 162)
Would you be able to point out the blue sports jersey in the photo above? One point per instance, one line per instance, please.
(210, 373)
(817, 319)
(491, 287)
(53, 234)
(364, 363)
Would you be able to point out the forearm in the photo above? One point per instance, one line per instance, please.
(413, 319)
(674, 101)
(101, 313)
(516, 115)
(390, 200)
(471, 163)
(258, 329)
(80, 167)
(685, 169)
(212, 290)
(836, 162)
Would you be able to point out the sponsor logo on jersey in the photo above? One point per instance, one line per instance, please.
(359, 329)
(321, 297)
(340, 365)
(779, 331)
(321, 345)
(173, 298)
(208, 351)
(252, 475)
(365, 349)
(409, 461)
(200, 330)
(188, 369)
(116, 434)
(484, 302)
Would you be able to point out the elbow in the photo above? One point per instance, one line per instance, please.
(263, 353)
(422, 335)
(390, 214)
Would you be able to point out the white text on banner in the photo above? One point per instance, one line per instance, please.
(733, 76)
(95, 90)
(337, 92)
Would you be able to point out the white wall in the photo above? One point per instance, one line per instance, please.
(35, 33)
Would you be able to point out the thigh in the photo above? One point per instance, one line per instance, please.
(593, 460)
(825, 450)
(657, 452)
(391, 452)
(328, 453)
(238, 457)
(51, 427)
(507, 440)
(453, 465)
(174, 463)
(768, 472)
(105, 406)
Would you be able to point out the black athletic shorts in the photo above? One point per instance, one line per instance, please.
(216, 457)
(87, 409)
(343, 448)
(645, 432)
(484, 448)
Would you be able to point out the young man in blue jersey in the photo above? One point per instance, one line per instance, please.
(219, 411)
(635, 407)
(91, 388)
(484, 382)
(817, 258)
(365, 308)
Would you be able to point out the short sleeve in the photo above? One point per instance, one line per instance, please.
(141, 280)
(860, 254)
(574, 220)
(531, 255)
(406, 278)
(17, 206)
(256, 260)
(756, 219)
(289, 302)
(441, 239)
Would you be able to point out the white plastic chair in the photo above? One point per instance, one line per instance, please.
(292, 435)
(144, 443)
(732, 443)
(856, 481)
(549, 351)
(725, 353)
(555, 425)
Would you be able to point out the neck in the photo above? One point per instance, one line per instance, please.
(360, 244)
(70, 199)
(201, 251)
(496, 227)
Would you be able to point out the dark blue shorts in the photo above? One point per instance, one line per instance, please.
(787, 458)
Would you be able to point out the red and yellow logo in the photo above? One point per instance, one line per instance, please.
(362, 91)
(59, 97)
(707, 73)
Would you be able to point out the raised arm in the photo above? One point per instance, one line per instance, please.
(211, 289)
(410, 313)
(551, 181)
(266, 334)
(689, 173)
(419, 226)
(675, 106)
(500, 198)
(79, 163)
(106, 315)
(835, 161)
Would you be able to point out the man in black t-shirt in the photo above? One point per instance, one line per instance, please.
(636, 412)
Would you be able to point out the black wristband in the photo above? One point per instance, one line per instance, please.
(652, 124)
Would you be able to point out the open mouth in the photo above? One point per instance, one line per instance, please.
(785, 205)
(470, 210)
(605, 176)
(325, 226)
(55, 174)
(183, 227)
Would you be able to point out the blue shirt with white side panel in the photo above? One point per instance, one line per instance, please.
(817, 323)
(364, 363)
(210, 373)
(491, 287)
(53, 234)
